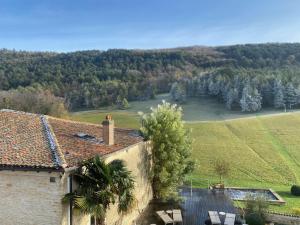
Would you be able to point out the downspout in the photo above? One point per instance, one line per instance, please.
(70, 211)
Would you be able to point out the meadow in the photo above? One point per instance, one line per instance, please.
(263, 149)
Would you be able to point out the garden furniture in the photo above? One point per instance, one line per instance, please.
(177, 217)
(214, 217)
(165, 217)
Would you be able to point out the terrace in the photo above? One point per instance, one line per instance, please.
(195, 207)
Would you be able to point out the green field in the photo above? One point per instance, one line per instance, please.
(195, 110)
(264, 151)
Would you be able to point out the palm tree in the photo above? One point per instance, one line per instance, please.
(101, 184)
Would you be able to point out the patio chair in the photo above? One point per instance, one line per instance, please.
(165, 217)
(214, 218)
(177, 217)
(229, 219)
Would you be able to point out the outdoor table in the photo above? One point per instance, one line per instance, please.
(177, 217)
(230, 218)
(214, 217)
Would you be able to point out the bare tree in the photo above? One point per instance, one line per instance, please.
(222, 169)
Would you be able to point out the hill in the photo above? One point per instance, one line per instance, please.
(263, 151)
(262, 148)
(89, 79)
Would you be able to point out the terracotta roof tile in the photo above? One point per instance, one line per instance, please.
(76, 149)
(23, 141)
(39, 141)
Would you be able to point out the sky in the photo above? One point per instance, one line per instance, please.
(64, 25)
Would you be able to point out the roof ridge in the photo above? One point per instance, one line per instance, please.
(88, 123)
(65, 120)
(57, 155)
(19, 112)
(74, 121)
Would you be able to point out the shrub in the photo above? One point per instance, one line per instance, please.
(255, 219)
(255, 209)
(295, 190)
(296, 211)
(238, 222)
(33, 100)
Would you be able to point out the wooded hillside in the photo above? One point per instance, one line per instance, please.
(95, 78)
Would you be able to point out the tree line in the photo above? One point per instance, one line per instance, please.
(90, 79)
(245, 89)
(33, 100)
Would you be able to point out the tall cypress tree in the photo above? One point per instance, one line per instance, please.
(278, 91)
(290, 95)
(171, 152)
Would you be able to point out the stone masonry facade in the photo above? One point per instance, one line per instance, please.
(34, 198)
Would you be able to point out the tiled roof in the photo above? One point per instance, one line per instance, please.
(38, 141)
(76, 149)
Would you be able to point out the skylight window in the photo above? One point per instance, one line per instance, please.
(88, 137)
(84, 136)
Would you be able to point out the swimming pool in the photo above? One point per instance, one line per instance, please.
(242, 194)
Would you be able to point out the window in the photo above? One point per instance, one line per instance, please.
(93, 221)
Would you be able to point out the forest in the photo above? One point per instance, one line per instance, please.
(248, 90)
(246, 77)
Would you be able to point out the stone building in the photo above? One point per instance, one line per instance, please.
(37, 155)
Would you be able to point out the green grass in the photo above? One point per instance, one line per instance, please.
(264, 151)
(122, 119)
(195, 110)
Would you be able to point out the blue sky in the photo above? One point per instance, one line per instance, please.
(63, 25)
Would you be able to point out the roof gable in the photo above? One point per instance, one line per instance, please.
(24, 142)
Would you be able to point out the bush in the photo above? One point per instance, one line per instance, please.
(295, 190)
(33, 100)
(238, 222)
(296, 211)
(255, 219)
(255, 209)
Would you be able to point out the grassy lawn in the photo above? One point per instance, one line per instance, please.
(123, 119)
(264, 151)
(194, 110)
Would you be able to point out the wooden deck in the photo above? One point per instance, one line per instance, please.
(195, 207)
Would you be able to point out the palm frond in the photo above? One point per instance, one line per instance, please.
(99, 184)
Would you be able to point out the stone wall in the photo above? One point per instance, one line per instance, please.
(29, 198)
(283, 219)
(137, 159)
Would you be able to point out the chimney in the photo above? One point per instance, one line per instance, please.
(108, 130)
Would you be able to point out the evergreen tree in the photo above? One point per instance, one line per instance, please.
(267, 93)
(178, 92)
(122, 103)
(125, 104)
(290, 95)
(278, 95)
(171, 152)
(251, 100)
(232, 97)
